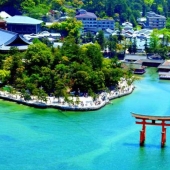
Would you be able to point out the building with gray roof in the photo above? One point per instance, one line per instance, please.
(165, 66)
(91, 23)
(23, 24)
(10, 39)
(134, 57)
(154, 20)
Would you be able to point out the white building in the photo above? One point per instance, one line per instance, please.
(91, 23)
(45, 34)
(125, 24)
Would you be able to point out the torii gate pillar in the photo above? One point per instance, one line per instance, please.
(143, 133)
(151, 120)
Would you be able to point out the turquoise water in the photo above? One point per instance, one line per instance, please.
(108, 139)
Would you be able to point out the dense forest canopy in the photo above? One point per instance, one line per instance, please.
(47, 70)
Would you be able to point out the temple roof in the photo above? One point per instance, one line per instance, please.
(19, 19)
(8, 38)
(86, 15)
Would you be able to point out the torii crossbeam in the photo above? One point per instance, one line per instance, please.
(152, 120)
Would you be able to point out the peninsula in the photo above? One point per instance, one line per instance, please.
(85, 103)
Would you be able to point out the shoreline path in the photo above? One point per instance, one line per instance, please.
(83, 104)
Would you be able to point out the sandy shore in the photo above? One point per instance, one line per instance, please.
(79, 103)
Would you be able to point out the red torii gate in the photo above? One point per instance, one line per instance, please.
(152, 120)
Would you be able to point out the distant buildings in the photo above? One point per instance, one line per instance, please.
(154, 20)
(10, 39)
(91, 23)
(23, 24)
(19, 31)
(52, 37)
(127, 29)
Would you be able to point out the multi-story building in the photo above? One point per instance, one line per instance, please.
(91, 23)
(154, 20)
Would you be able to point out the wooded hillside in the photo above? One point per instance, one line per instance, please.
(120, 10)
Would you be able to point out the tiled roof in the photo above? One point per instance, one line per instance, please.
(19, 19)
(6, 37)
(127, 23)
(24, 39)
(154, 15)
(86, 15)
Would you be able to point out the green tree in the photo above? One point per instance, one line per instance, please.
(81, 80)
(154, 43)
(100, 39)
(4, 75)
(97, 80)
(95, 56)
(133, 20)
(168, 23)
(36, 56)
(42, 95)
(70, 48)
(60, 89)
(46, 79)
(70, 27)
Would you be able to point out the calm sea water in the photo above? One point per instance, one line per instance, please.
(108, 139)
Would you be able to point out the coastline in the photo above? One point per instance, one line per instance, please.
(84, 104)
